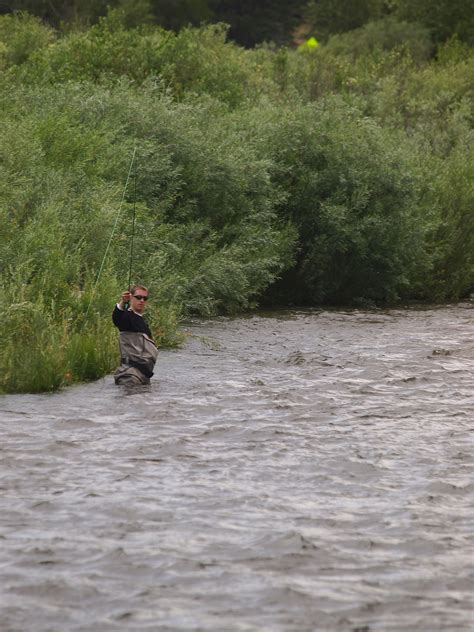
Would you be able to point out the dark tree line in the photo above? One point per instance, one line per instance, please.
(255, 21)
(251, 21)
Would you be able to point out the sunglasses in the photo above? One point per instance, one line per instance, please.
(139, 297)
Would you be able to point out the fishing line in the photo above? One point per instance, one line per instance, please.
(112, 234)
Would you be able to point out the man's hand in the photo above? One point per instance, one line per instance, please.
(125, 299)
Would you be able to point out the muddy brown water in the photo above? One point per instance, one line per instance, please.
(290, 471)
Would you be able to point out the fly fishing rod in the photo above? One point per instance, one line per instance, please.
(113, 232)
(133, 229)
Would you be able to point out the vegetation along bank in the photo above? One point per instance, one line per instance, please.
(337, 174)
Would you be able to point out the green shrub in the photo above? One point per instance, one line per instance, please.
(433, 102)
(352, 194)
(383, 35)
(453, 240)
(20, 36)
(194, 61)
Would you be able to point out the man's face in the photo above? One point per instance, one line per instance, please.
(139, 300)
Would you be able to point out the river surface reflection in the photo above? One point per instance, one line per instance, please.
(288, 471)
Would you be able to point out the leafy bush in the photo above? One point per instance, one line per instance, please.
(453, 240)
(197, 61)
(352, 193)
(444, 18)
(433, 102)
(385, 34)
(20, 36)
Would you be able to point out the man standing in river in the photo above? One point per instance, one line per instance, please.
(138, 352)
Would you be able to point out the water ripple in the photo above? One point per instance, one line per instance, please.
(288, 471)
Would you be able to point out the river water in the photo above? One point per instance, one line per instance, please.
(290, 471)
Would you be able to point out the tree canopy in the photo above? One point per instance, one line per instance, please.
(252, 22)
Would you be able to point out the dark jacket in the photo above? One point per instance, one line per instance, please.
(126, 320)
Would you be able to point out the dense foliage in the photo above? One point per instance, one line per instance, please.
(340, 175)
(252, 22)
